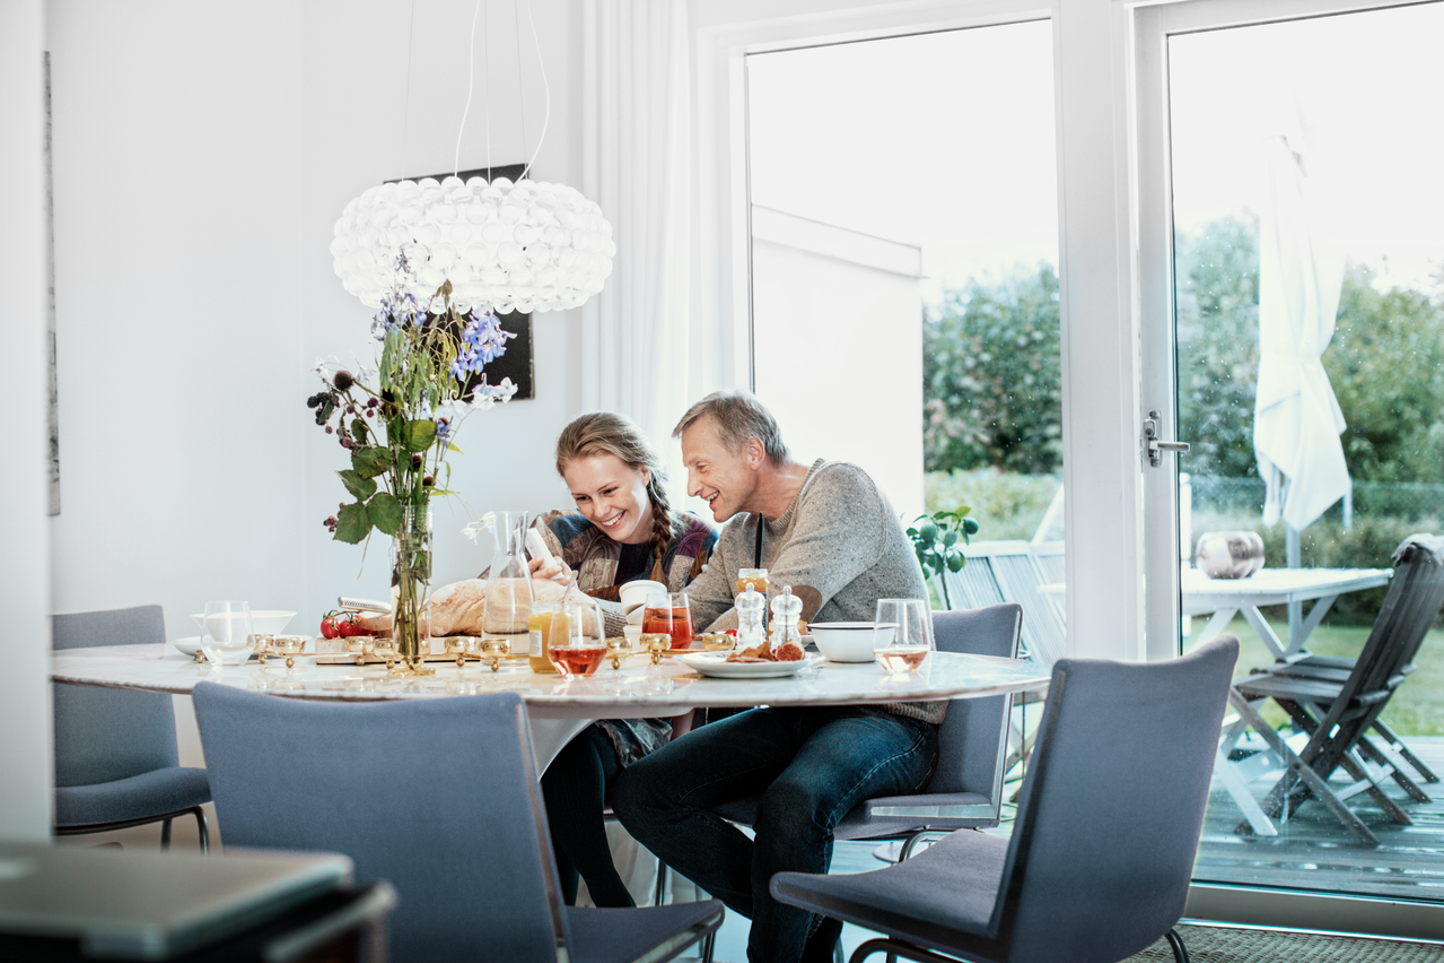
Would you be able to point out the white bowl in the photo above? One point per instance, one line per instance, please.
(633, 634)
(633, 595)
(849, 641)
(263, 621)
(634, 617)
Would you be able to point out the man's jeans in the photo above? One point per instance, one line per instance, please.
(810, 766)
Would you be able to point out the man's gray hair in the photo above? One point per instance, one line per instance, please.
(738, 416)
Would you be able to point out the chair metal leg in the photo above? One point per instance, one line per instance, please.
(165, 833)
(709, 943)
(203, 829)
(1176, 942)
(659, 895)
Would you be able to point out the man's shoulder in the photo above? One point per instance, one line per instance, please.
(839, 479)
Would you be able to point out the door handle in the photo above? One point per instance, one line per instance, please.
(1156, 448)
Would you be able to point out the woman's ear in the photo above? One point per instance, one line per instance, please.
(646, 475)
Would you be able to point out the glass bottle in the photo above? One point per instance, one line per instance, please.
(508, 608)
(750, 606)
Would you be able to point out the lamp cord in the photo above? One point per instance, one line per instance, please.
(470, 86)
(520, 86)
(406, 105)
(546, 88)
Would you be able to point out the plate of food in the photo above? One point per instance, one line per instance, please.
(715, 665)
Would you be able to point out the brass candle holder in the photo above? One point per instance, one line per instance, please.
(618, 648)
(657, 643)
(265, 646)
(360, 647)
(386, 649)
(493, 650)
(459, 646)
(290, 646)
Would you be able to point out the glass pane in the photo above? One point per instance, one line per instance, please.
(904, 252)
(1309, 266)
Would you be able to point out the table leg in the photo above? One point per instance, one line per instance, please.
(1216, 624)
(1264, 630)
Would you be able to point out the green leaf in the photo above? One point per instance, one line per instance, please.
(385, 513)
(352, 523)
(360, 488)
(451, 447)
(359, 429)
(370, 461)
(418, 435)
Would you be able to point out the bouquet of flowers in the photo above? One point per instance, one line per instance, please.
(398, 420)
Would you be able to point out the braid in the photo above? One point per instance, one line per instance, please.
(661, 521)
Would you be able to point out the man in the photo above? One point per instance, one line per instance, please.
(827, 532)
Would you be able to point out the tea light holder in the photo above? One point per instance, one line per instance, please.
(494, 649)
(657, 643)
(290, 646)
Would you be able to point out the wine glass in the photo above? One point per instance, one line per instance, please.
(228, 639)
(902, 634)
(579, 649)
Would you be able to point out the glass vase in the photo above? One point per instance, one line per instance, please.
(410, 583)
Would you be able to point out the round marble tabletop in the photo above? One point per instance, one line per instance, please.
(638, 690)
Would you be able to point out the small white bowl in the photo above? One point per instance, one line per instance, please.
(850, 641)
(633, 634)
(263, 621)
(634, 617)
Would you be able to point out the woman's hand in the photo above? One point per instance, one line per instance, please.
(556, 570)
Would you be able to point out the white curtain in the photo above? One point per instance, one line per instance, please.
(637, 165)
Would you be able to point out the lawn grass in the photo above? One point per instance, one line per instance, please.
(1417, 708)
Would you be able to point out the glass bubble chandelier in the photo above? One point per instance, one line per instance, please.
(503, 246)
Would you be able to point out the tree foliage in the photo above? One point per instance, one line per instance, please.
(991, 386)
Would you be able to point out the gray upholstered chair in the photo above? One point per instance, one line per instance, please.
(440, 798)
(116, 762)
(1102, 849)
(966, 791)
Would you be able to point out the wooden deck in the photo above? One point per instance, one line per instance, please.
(1314, 851)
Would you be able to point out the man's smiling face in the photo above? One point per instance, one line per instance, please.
(725, 481)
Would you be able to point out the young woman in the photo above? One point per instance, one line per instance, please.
(625, 530)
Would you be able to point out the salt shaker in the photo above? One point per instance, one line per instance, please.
(786, 610)
(750, 606)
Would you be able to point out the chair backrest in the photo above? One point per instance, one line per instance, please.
(972, 739)
(1009, 571)
(1112, 806)
(106, 734)
(1415, 596)
(438, 796)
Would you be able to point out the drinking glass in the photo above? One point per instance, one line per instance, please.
(902, 634)
(579, 649)
(669, 612)
(227, 639)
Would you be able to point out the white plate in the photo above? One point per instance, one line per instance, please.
(715, 664)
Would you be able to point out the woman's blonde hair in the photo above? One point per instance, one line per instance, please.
(610, 433)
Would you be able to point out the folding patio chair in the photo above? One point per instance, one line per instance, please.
(1337, 715)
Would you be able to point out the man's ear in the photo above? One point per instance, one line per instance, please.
(756, 453)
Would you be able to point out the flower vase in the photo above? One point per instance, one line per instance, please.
(410, 583)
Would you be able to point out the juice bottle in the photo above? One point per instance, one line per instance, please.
(546, 619)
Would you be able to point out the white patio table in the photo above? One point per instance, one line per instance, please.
(1225, 598)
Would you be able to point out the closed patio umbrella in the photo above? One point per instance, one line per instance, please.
(1297, 420)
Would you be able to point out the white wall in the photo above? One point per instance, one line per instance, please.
(24, 551)
(203, 154)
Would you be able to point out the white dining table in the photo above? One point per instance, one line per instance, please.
(558, 709)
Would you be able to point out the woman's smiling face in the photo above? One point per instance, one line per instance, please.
(612, 495)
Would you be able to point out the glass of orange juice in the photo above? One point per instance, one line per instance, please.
(669, 612)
